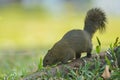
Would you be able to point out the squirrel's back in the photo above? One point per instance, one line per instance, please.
(79, 40)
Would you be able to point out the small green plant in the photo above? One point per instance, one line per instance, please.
(111, 52)
(113, 63)
(40, 66)
(88, 72)
(12, 76)
(115, 75)
(117, 43)
(98, 47)
(24, 72)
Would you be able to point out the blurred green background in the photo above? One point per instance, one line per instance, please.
(28, 28)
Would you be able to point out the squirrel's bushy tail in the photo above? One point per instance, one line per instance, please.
(95, 20)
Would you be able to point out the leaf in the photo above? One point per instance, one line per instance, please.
(40, 64)
(98, 41)
(106, 74)
(107, 61)
(116, 42)
(98, 47)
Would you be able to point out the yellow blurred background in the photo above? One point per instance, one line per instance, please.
(30, 24)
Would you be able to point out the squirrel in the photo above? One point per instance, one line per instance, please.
(76, 41)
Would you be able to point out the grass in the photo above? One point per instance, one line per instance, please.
(27, 34)
(19, 63)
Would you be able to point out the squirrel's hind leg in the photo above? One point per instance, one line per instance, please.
(78, 55)
(89, 53)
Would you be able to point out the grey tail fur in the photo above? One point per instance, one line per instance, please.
(95, 20)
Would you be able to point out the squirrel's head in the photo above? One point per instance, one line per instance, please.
(49, 58)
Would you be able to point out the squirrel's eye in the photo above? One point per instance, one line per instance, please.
(46, 60)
